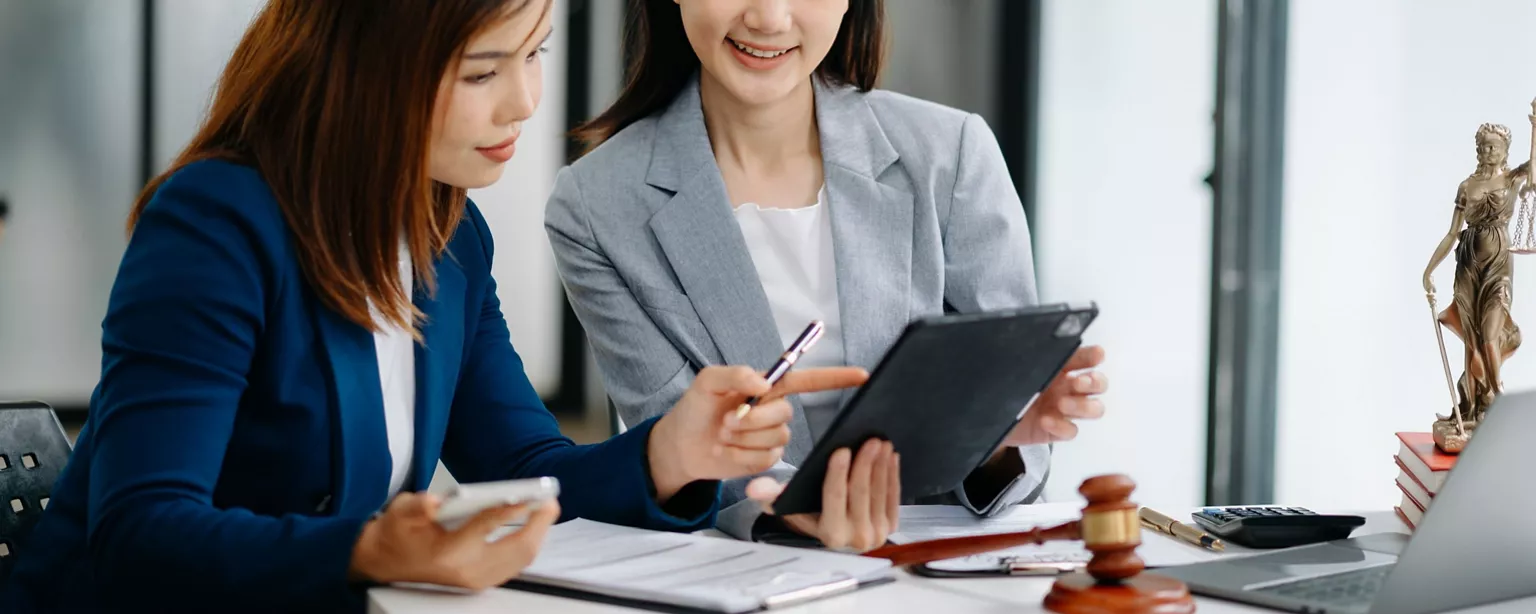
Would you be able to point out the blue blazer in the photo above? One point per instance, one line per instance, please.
(236, 443)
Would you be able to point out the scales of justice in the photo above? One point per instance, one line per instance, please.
(1494, 217)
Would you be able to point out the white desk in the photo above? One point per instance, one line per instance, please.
(909, 593)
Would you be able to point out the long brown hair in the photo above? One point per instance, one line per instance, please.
(661, 61)
(332, 102)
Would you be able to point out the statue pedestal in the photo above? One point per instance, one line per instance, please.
(1448, 440)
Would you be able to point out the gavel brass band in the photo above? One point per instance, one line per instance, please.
(1109, 528)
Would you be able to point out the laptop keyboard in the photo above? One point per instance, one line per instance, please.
(1348, 589)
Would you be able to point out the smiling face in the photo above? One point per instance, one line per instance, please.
(485, 98)
(760, 51)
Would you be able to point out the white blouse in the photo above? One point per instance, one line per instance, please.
(397, 378)
(792, 250)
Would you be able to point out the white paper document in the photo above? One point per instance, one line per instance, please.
(926, 522)
(692, 570)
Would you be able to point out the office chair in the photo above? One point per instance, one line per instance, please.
(33, 450)
(615, 423)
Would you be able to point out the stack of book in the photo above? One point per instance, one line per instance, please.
(1421, 472)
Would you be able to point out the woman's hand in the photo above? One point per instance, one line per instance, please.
(406, 544)
(1072, 395)
(860, 501)
(702, 439)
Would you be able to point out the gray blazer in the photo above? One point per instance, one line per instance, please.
(924, 220)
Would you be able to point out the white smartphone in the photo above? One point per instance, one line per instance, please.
(466, 500)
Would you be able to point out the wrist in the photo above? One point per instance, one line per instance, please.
(363, 567)
(669, 473)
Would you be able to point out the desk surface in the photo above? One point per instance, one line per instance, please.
(909, 593)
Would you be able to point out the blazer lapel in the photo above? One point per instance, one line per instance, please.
(360, 469)
(438, 359)
(871, 225)
(704, 245)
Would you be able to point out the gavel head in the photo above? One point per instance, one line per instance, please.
(1111, 528)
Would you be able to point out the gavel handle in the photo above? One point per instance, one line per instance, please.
(954, 547)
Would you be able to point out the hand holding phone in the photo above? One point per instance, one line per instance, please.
(401, 545)
(467, 500)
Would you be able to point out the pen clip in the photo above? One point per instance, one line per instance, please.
(795, 353)
(807, 338)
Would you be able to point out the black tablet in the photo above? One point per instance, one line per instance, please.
(945, 395)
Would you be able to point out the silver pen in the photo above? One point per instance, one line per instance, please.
(807, 338)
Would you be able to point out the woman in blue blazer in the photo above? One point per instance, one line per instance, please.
(750, 178)
(305, 321)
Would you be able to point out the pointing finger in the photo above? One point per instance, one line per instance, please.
(815, 380)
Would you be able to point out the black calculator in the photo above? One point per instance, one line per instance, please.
(1274, 526)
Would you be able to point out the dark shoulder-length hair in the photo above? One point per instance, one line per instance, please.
(661, 61)
(332, 102)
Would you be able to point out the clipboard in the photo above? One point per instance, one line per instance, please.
(677, 572)
(785, 600)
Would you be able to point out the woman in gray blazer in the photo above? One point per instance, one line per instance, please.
(749, 179)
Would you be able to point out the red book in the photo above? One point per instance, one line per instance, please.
(1411, 484)
(1426, 463)
(1404, 517)
(1411, 502)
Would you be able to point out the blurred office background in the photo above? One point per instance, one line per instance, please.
(1250, 189)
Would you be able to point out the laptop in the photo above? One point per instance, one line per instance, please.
(1475, 545)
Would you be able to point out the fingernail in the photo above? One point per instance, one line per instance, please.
(731, 420)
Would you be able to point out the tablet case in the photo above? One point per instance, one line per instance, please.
(945, 395)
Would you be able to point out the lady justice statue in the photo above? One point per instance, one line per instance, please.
(1488, 203)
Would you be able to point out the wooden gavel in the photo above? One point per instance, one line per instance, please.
(1110, 528)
